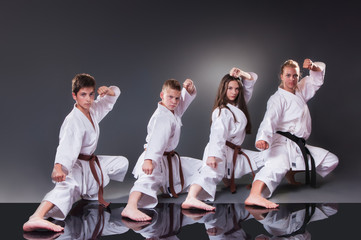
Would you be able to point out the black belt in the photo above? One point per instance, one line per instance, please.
(301, 143)
(310, 210)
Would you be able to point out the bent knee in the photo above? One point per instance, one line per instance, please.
(120, 164)
(331, 160)
(329, 163)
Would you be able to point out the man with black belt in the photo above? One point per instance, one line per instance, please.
(283, 133)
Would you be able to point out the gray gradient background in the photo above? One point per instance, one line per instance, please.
(137, 45)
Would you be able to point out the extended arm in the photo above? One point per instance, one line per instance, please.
(58, 175)
(218, 137)
(269, 123)
(159, 131)
(70, 143)
(148, 166)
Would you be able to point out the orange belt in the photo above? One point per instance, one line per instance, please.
(237, 150)
(171, 184)
(92, 159)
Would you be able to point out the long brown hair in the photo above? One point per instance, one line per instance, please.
(222, 100)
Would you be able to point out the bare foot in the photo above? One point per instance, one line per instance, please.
(195, 214)
(135, 226)
(195, 203)
(135, 214)
(214, 231)
(226, 182)
(260, 201)
(36, 223)
(262, 237)
(259, 213)
(36, 235)
(290, 176)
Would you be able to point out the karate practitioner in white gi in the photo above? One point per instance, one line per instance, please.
(226, 223)
(79, 135)
(167, 221)
(152, 170)
(87, 221)
(287, 112)
(289, 222)
(230, 123)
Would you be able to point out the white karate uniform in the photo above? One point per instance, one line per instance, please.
(164, 130)
(228, 220)
(226, 127)
(287, 112)
(167, 221)
(286, 221)
(78, 135)
(89, 221)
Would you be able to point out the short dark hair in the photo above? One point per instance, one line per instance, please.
(82, 80)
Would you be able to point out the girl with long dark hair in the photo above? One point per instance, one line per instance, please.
(223, 156)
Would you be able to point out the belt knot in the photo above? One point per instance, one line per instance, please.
(93, 159)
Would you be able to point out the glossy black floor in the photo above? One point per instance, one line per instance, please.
(330, 211)
(229, 221)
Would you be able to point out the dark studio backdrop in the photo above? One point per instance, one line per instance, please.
(137, 45)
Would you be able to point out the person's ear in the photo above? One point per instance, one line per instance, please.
(74, 96)
(161, 95)
(281, 78)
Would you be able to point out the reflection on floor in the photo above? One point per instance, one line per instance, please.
(230, 221)
(330, 189)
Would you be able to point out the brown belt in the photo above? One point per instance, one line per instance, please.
(236, 224)
(173, 231)
(98, 231)
(171, 184)
(237, 150)
(92, 159)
